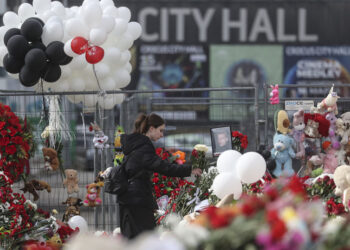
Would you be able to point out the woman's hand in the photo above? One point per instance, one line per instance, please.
(197, 172)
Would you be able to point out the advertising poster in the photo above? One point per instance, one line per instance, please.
(316, 65)
(242, 66)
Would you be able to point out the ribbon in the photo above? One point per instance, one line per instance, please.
(196, 197)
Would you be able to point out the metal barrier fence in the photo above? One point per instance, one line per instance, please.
(189, 115)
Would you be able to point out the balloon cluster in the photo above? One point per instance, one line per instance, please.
(97, 35)
(29, 57)
(235, 169)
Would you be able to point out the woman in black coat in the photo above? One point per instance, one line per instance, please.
(137, 205)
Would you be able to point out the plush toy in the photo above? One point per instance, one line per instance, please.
(345, 126)
(71, 181)
(330, 161)
(274, 95)
(282, 122)
(332, 128)
(100, 139)
(92, 197)
(311, 129)
(73, 201)
(54, 242)
(72, 209)
(283, 153)
(51, 159)
(318, 127)
(328, 104)
(313, 163)
(270, 163)
(298, 133)
(342, 181)
(35, 185)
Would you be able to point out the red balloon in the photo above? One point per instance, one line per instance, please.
(79, 45)
(94, 54)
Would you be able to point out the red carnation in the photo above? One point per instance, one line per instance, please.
(17, 140)
(3, 132)
(13, 131)
(159, 151)
(2, 124)
(11, 149)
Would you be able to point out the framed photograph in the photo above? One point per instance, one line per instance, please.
(220, 140)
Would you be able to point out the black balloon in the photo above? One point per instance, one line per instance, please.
(38, 45)
(55, 52)
(18, 46)
(51, 73)
(12, 65)
(66, 60)
(35, 59)
(32, 29)
(37, 19)
(10, 33)
(28, 77)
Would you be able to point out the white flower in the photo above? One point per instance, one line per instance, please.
(201, 147)
(32, 204)
(191, 235)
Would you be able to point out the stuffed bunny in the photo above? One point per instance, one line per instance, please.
(274, 95)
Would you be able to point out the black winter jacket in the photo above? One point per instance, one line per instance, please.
(142, 157)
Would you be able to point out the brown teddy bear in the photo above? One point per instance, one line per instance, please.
(73, 205)
(35, 185)
(71, 181)
(51, 160)
(92, 197)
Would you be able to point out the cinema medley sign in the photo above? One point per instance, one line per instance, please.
(242, 22)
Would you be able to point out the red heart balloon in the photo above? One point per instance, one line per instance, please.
(94, 54)
(79, 45)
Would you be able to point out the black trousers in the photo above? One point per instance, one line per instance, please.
(135, 219)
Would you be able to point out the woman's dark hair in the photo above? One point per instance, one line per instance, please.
(144, 122)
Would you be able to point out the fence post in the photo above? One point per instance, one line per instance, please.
(256, 116)
(266, 115)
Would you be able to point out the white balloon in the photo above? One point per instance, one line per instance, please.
(58, 8)
(109, 101)
(47, 15)
(125, 57)
(128, 67)
(87, 2)
(25, 11)
(91, 85)
(111, 11)
(108, 84)
(225, 184)
(61, 86)
(134, 29)
(107, 23)
(78, 62)
(112, 55)
(41, 6)
(120, 27)
(68, 49)
(122, 77)
(3, 30)
(80, 222)
(124, 13)
(76, 27)
(52, 31)
(227, 161)
(97, 36)
(250, 167)
(102, 70)
(77, 84)
(92, 14)
(54, 19)
(90, 100)
(106, 3)
(125, 42)
(65, 71)
(11, 19)
(3, 52)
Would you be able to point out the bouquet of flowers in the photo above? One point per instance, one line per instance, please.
(239, 141)
(16, 143)
(198, 158)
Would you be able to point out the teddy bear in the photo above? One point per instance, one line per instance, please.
(92, 197)
(71, 181)
(313, 163)
(311, 129)
(283, 153)
(342, 181)
(35, 185)
(274, 95)
(344, 130)
(332, 128)
(330, 160)
(51, 159)
(328, 104)
(298, 133)
(73, 205)
(54, 242)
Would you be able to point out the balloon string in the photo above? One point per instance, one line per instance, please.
(44, 102)
(98, 82)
